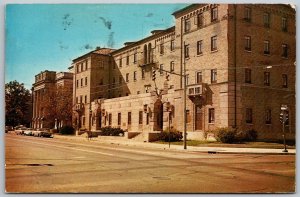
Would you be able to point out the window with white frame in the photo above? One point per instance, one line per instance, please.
(199, 47)
(247, 43)
(172, 66)
(214, 14)
(266, 19)
(199, 77)
(266, 47)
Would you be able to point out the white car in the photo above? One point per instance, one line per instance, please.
(28, 132)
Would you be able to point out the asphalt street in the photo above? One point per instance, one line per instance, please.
(45, 165)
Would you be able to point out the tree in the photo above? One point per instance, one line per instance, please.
(17, 104)
(64, 104)
(57, 104)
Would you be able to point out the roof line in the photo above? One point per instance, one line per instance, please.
(142, 40)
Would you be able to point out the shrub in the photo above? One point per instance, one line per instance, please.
(111, 131)
(66, 130)
(225, 134)
(175, 135)
(228, 135)
(246, 136)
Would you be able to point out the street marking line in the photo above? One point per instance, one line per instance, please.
(90, 151)
(145, 152)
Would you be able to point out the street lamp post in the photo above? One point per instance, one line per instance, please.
(283, 119)
(184, 105)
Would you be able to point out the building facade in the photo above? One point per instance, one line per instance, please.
(45, 93)
(239, 63)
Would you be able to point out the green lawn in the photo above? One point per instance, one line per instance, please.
(238, 145)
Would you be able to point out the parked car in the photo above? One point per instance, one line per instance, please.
(36, 133)
(46, 134)
(28, 132)
(20, 130)
(42, 132)
(8, 128)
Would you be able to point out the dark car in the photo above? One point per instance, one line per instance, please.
(8, 128)
(42, 132)
(45, 134)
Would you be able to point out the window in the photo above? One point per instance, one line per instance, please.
(266, 19)
(138, 92)
(200, 20)
(187, 25)
(127, 77)
(101, 81)
(247, 16)
(76, 99)
(85, 99)
(127, 60)
(83, 120)
(140, 117)
(247, 75)
(213, 76)
(211, 115)
(284, 24)
(284, 80)
(77, 83)
(267, 78)
(143, 73)
(266, 47)
(213, 43)
(161, 48)
(81, 82)
(248, 115)
(81, 67)
(161, 68)
(147, 120)
(172, 66)
(187, 79)
(86, 65)
(119, 119)
(172, 47)
(81, 99)
(134, 57)
(120, 62)
(248, 43)
(284, 50)
(101, 65)
(186, 51)
(199, 47)
(268, 116)
(113, 81)
(214, 14)
(129, 118)
(109, 119)
(86, 81)
(147, 88)
(134, 76)
(199, 77)
(77, 67)
(120, 79)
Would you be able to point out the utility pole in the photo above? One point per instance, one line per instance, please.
(90, 116)
(184, 104)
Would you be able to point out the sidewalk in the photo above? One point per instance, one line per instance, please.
(211, 150)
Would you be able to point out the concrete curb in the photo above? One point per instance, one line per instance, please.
(208, 150)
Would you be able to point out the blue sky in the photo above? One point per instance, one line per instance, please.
(48, 36)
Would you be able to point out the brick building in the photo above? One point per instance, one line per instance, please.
(240, 66)
(44, 88)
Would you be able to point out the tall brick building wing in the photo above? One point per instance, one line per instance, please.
(240, 66)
